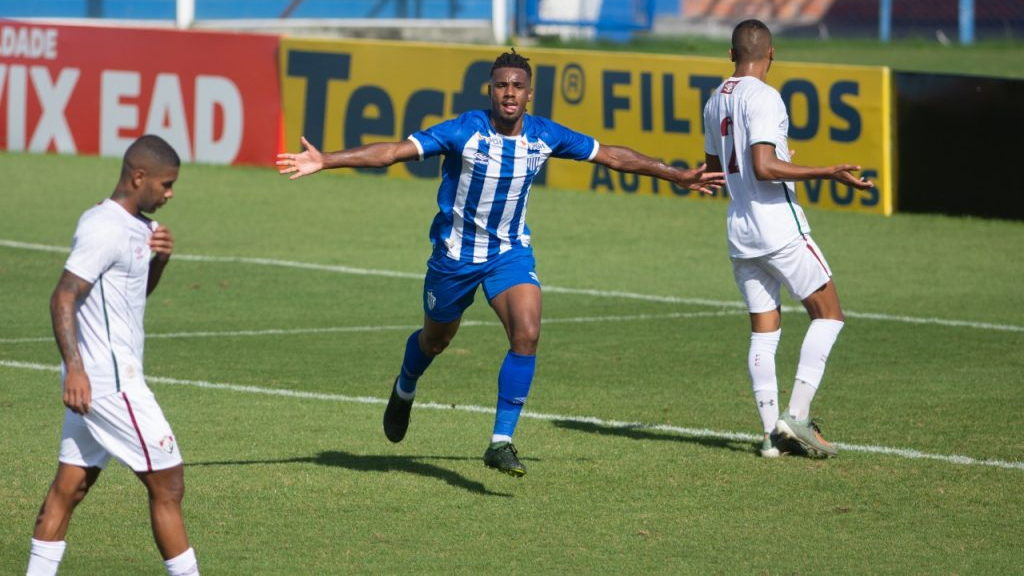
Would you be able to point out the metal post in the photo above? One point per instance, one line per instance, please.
(885, 20)
(186, 13)
(94, 9)
(522, 22)
(499, 21)
(967, 22)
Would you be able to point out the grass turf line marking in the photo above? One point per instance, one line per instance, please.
(385, 328)
(548, 289)
(681, 431)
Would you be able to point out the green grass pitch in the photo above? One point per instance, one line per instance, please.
(277, 330)
(999, 58)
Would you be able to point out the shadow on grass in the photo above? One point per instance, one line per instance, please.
(641, 433)
(376, 463)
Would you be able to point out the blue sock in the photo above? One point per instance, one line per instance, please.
(514, 381)
(413, 365)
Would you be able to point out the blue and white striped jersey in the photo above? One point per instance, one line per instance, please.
(486, 178)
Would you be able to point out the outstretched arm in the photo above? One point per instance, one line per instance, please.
(625, 159)
(69, 292)
(377, 155)
(768, 166)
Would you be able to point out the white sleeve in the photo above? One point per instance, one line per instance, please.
(419, 147)
(710, 138)
(93, 251)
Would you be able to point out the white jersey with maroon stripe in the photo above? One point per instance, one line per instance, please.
(110, 250)
(763, 215)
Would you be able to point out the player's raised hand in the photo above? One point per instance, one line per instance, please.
(310, 161)
(842, 173)
(701, 180)
(161, 242)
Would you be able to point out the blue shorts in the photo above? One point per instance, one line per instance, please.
(450, 285)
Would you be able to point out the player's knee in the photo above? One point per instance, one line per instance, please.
(167, 488)
(525, 341)
(824, 308)
(437, 345)
(168, 495)
(69, 494)
(79, 493)
(435, 341)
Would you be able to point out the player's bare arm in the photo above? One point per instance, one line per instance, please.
(376, 155)
(768, 166)
(69, 292)
(162, 244)
(625, 159)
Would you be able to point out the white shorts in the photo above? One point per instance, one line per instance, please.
(799, 265)
(128, 426)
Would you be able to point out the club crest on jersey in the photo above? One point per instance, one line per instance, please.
(533, 161)
(431, 300)
(729, 86)
(167, 444)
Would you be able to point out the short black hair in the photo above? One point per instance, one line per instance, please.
(751, 40)
(512, 60)
(151, 151)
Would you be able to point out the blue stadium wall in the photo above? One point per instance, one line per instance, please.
(225, 9)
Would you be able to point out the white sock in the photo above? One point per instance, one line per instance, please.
(761, 363)
(402, 393)
(800, 400)
(183, 564)
(821, 335)
(500, 438)
(44, 559)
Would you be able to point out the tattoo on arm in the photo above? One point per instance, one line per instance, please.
(69, 292)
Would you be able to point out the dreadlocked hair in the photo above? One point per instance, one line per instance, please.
(512, 60)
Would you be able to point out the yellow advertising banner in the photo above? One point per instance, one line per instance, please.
(341, 94)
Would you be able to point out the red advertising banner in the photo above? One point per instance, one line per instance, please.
(215, 97)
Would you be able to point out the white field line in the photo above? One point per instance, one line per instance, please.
(547, 288)
(678, 430)
(385, 328)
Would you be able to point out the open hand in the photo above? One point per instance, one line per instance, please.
(842, 173)
(310, 161)
(701, 180)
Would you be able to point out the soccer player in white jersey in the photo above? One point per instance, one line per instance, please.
(480, 236)
(117, 258)
(745, 129)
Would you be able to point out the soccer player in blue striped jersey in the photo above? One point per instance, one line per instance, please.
(479, 234)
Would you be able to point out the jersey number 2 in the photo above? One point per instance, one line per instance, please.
(733, 168)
